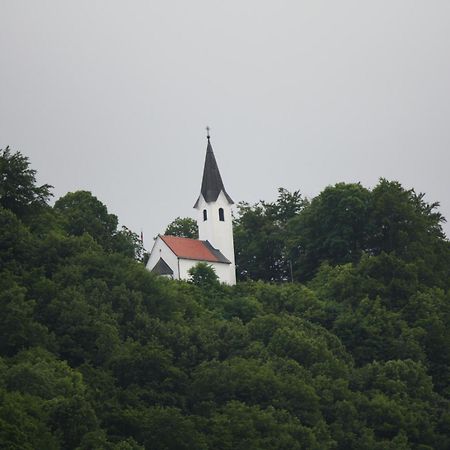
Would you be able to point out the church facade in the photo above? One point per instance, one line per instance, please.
(173, 256)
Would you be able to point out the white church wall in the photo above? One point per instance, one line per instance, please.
(161, 250)
(225, 272)
(181, 266)
(222, 270)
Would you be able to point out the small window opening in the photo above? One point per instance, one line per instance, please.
(221, 215)
(205, 215)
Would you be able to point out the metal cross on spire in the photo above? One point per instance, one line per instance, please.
(207, 133)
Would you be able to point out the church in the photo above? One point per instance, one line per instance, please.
(173, 256)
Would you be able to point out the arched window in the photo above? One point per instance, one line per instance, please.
(205, 215)
(221, 215)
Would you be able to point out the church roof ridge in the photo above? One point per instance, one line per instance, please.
(188, 248)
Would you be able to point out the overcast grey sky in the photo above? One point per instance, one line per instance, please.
(114, 96)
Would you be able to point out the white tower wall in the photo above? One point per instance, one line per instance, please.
(218, 232)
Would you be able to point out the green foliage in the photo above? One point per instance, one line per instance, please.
(238, 426)
(81, 212)
(97, 352)
(24, 423)
(339, 226)
(333, 227)
(259, 235)
(18, 327)
(18, 190)
(203, 275)
(403, 222)
(16, 242)
(183, 227)
(129, 243)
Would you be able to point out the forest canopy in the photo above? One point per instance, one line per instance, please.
(336, 336)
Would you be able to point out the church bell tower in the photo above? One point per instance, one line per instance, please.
(214, 211)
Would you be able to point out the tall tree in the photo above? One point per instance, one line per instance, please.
(260, 237)
(183, 227)
(402, 221)
(82, 213)
(18, 189)
(333, 227)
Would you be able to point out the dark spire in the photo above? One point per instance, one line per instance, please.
(212, 181)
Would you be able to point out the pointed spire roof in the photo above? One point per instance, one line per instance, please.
(212, 182)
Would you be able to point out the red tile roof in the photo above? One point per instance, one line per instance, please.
(193, 249)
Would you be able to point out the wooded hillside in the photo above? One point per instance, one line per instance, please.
(97, 353)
